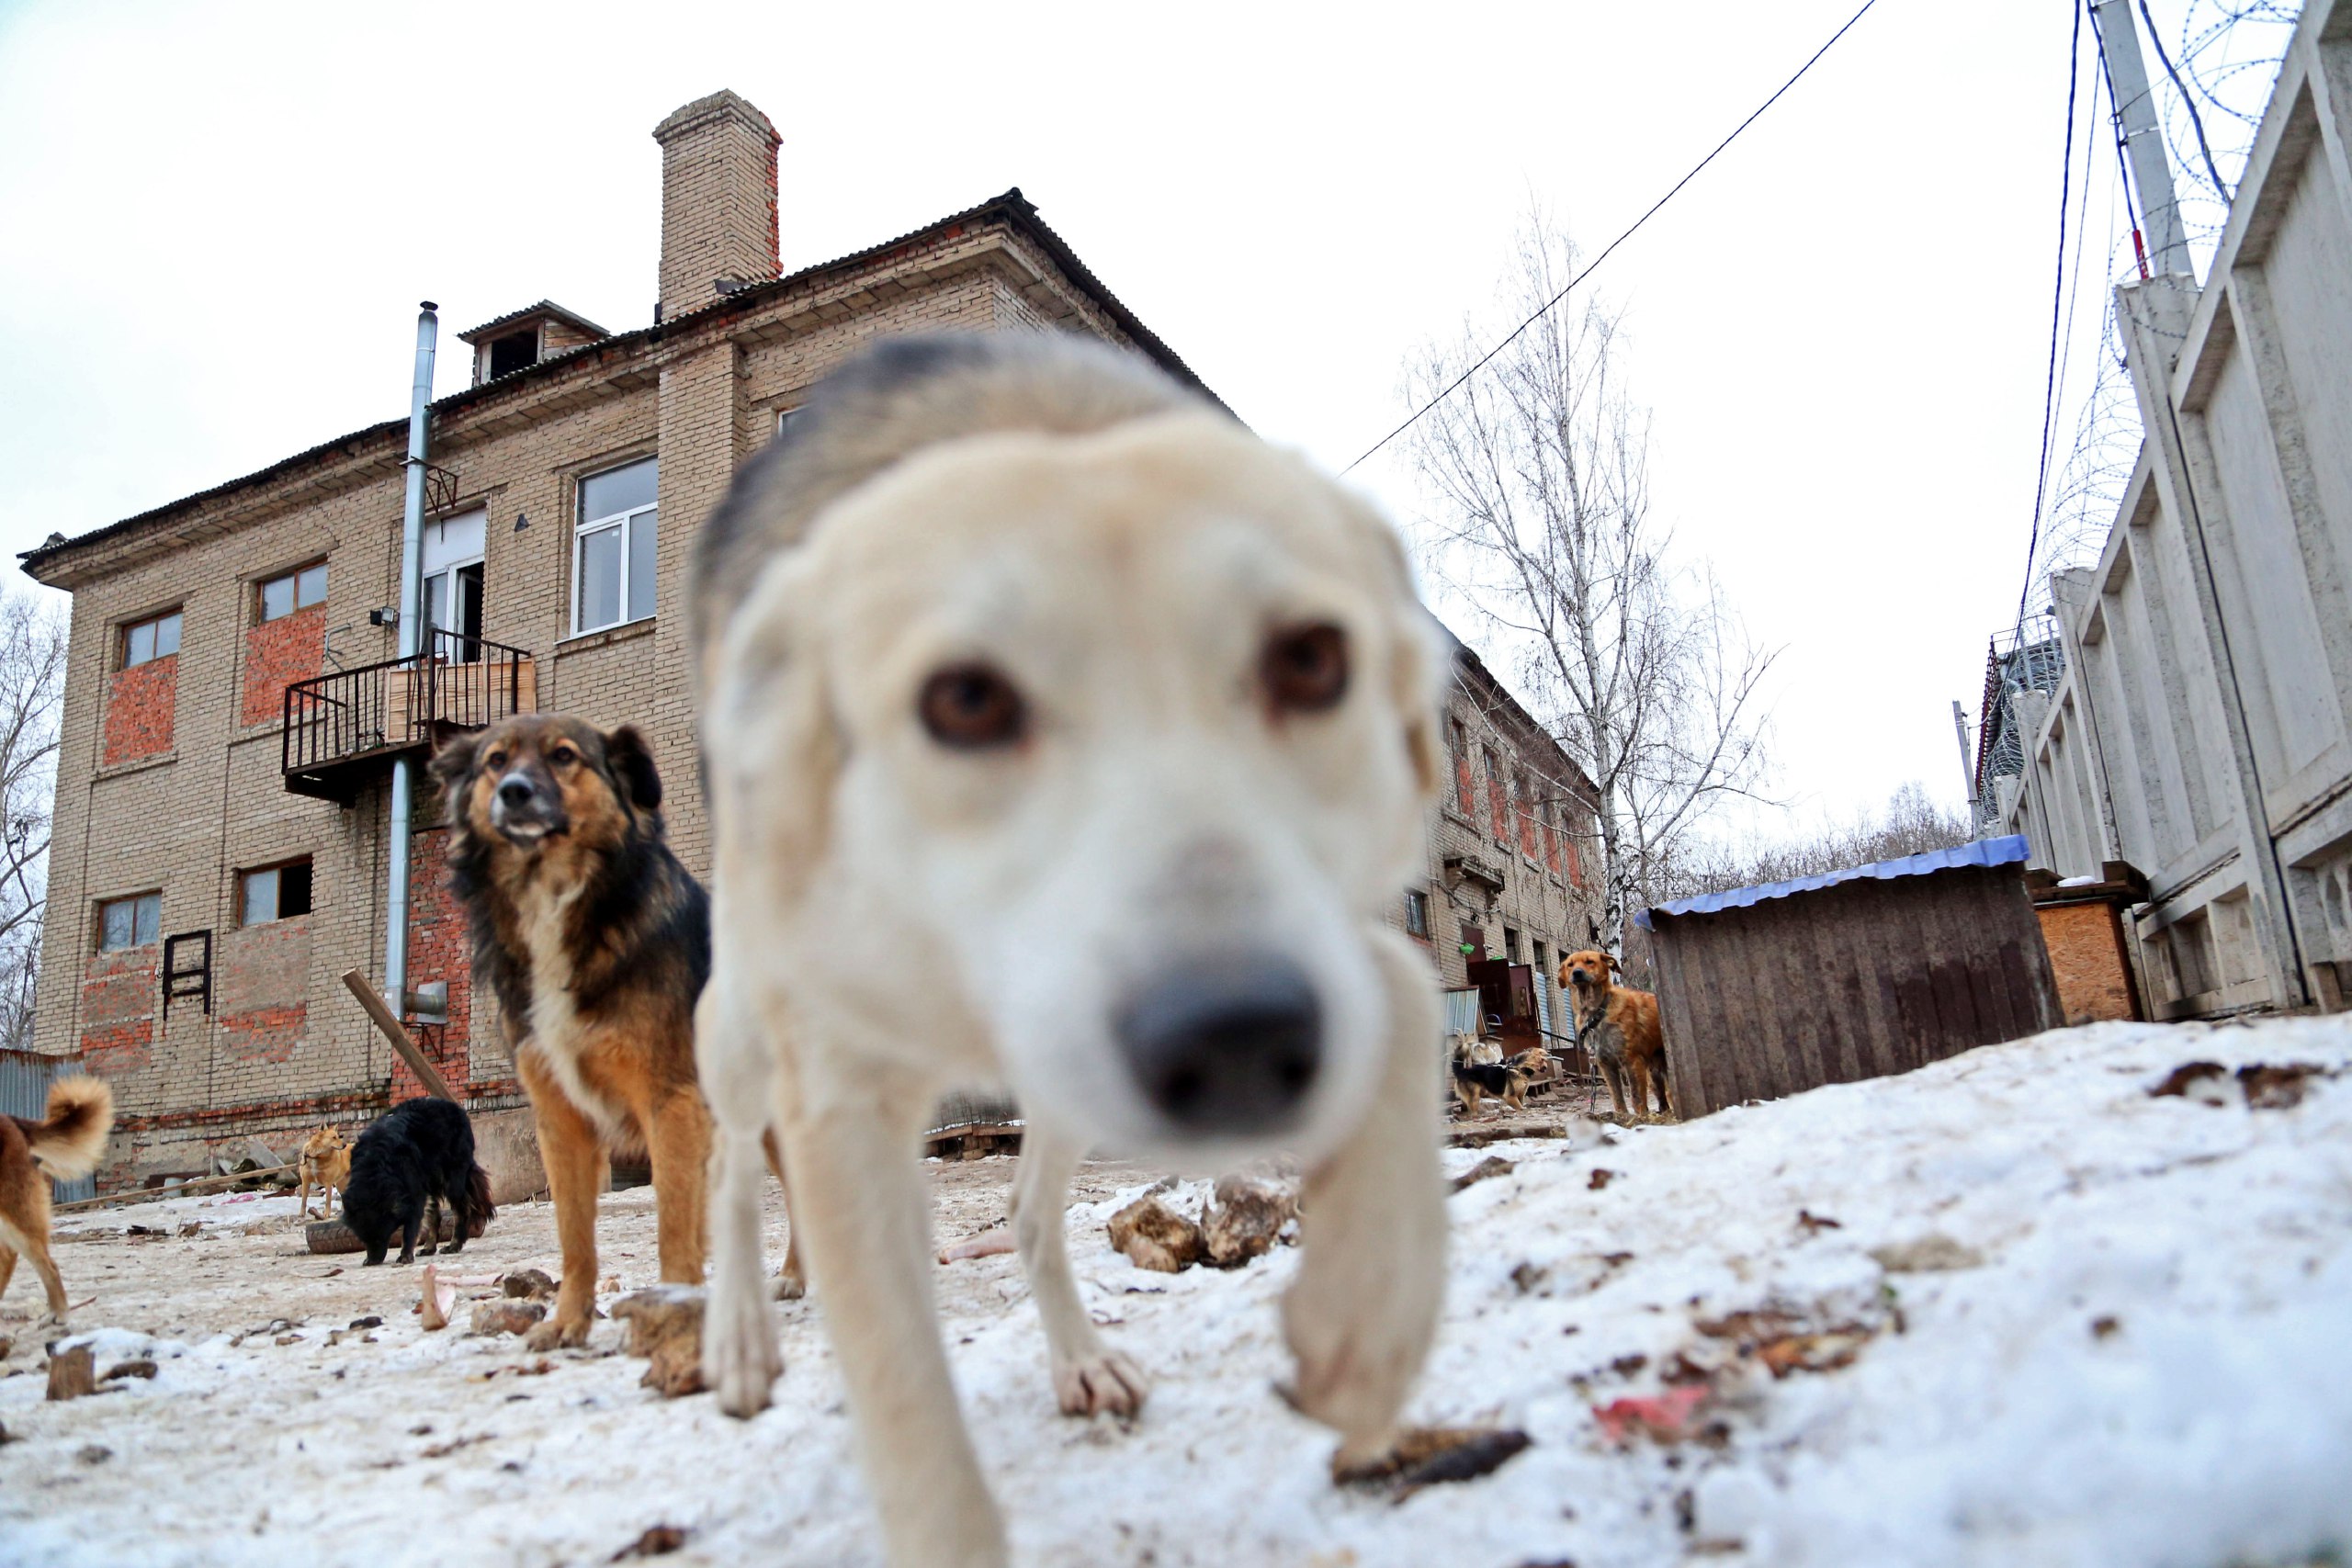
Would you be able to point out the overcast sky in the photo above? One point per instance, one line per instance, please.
(216, 221)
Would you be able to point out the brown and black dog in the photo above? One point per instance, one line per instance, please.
(597, 941)
(1620, 1024)
(68, 1143)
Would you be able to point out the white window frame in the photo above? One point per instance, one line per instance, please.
(626, 522)
(476, 521)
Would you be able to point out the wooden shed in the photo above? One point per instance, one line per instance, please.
(1770, 990)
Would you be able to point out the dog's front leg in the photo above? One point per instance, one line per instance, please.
(568, 1149)
(1371, 1224)
(792, 1281)
(1089, 1378)
(681, 1149)
(741, 1360)
(860, 1199)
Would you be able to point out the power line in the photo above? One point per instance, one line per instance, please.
(1545, 308)
(2057, 302)
(2189, 102)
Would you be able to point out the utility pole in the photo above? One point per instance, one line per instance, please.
(412, 636)
(1967, 761)
(2165, 248)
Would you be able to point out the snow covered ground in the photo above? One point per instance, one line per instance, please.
(2023, 1312)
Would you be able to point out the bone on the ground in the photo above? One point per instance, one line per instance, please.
(1156, 1236)
(440, 1300)
(665, 1327)
(1486, 1169)
(988, 1245)
(71, 1374)
(1243, 1218)
(506, 1316)
(1427, 1456)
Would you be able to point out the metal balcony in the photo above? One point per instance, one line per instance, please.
(344, 729)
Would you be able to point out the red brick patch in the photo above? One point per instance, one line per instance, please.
(118, 992)
(139, 710)
(264, 1034)
(277, 653)
(124, 1048)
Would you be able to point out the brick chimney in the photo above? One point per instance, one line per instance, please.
(719, 213)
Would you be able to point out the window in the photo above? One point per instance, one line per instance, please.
(273, 892)
(612, 567)
(515, 351)
(782, 418)
(1417, 914)
(129, 922)
(453, 552)
(155, 637)
(1497, 806)
(1466, 797)
(281, 596)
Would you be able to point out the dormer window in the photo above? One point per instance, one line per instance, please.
(515, 351)
(521, 339)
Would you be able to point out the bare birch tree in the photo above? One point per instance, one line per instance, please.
(32, 686)
(1538, 469)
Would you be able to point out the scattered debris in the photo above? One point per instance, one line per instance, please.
(1243, 1219)
(1664, 1418)
(2106, 1325)
(659, 1541)
(443, 1450)
(370, 1321)
(1486, 1169)
(530, 1283)
(440, 1300)
(1934, 1253)
(193, 1229)
(1526, 1275)
(1156, 1236)
(989, 1244)
(2280, 1087)
(1823, 1352)
(665, 1327)
(72, 1374)
(140, 1368)
(1813, 1224)
(94, 1453)
(1432, 1456)
(2199, 1081)
(507, 1317)
(1599, 1179)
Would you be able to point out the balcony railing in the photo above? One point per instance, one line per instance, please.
(339, 725)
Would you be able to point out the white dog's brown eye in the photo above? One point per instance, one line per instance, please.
(970, 707)
(1307, 669)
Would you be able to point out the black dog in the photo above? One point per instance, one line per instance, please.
(414, 1154)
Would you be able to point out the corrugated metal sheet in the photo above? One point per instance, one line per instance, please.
(1855, 977)
(25, 1078)
(1462, 1011)
(2012, 850)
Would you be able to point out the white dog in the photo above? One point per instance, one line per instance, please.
(1063, 736)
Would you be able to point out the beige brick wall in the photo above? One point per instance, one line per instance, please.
(718, 201)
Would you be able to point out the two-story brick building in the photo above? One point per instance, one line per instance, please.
(233, 702)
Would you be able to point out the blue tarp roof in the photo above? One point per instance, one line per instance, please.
(1983, 851)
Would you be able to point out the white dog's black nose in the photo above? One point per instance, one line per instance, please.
(1230, 1046)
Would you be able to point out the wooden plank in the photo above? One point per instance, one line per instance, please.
(390, 1027)
(1686, 1066)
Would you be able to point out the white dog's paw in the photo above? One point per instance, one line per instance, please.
(740, 1359)
(789, 1287)
(1358, 1351)
(1099, 1382)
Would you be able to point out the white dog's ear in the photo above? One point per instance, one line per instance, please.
(1419, 666)
(771, 737)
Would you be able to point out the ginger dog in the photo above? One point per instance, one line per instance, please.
(1622, 1025)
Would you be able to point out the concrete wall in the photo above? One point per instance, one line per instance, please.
(2201, 730)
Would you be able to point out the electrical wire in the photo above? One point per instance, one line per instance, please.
(2057, 304)
(1545, 309)
(2188, 100)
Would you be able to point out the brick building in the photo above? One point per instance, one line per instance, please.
(219, 853)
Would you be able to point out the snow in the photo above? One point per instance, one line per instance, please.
(2087, 1326)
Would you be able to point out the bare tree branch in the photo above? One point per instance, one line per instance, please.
(1537, 469)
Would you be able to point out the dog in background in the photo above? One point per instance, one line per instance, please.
(324, 1162)
(1015, 654)
(409, 1162)
(597, 941)
(68, 1143)
(1534, 1064)
(1474, 1079)
(1622, 1025)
